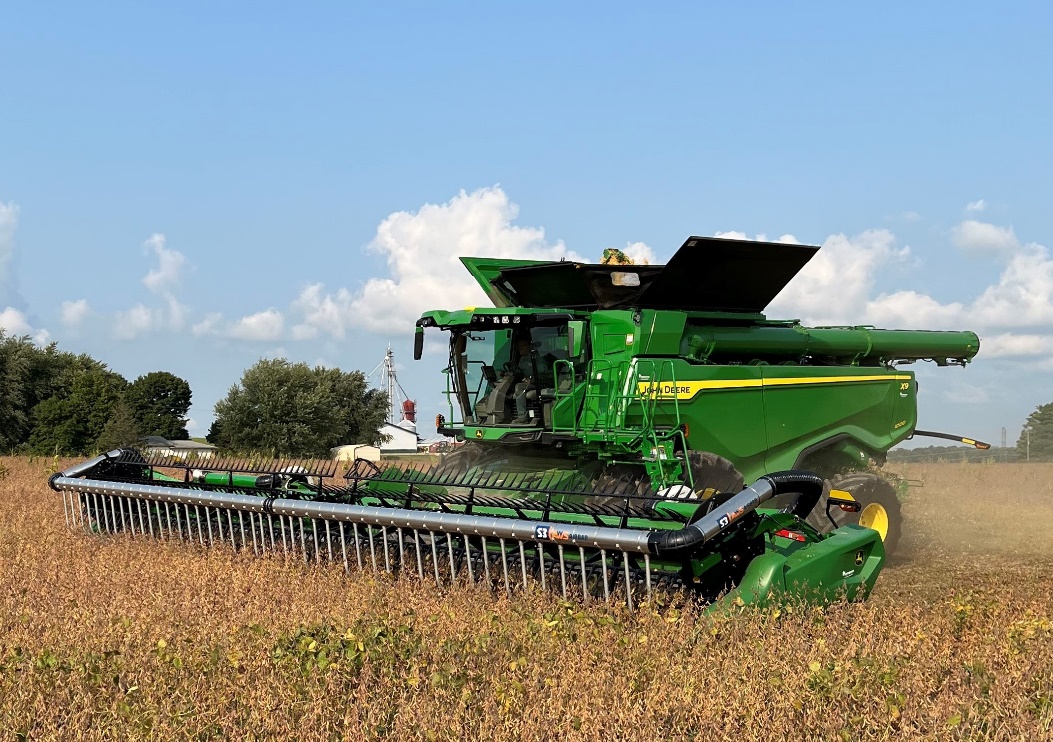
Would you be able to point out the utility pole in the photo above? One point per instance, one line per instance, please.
(1005, 453)
(1028, 429)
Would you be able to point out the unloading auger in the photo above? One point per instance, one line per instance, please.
(594, 539)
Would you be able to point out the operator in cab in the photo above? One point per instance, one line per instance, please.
(527, 386)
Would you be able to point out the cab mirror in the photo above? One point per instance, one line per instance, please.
(575, 338)
(418, 343)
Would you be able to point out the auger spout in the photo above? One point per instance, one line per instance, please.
(677, 543)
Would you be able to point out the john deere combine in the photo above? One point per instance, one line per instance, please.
(612, 414)
(671, 377)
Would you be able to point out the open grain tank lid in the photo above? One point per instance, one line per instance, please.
(707, 274)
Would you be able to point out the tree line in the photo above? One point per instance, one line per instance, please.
(53, 402)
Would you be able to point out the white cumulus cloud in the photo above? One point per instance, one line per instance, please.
(975, 207)
(1023, 296)
(975, 236)
(130, 323)
(1018, 345)
(14, 323)
(835, 286)
(422, 250)
(73, 313)
(911, 309)
(267, 325)
(163, 281)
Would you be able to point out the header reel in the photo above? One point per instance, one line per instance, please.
(506, 530)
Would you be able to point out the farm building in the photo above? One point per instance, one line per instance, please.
(355, 451)
(181, 449)
(402, 437)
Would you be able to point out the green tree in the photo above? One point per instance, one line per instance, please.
(121, 430)
(14, 370)
(291, 409)
(160, 401)
(1036, 439)
(72, 420)
(29, 375)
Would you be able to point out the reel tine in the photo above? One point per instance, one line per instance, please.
(420, 561)
(329, 541)
(96, 501)
(562, 572)
(343, 548)
(468, 559)
(107, 513)
(358, 547)
(603, 569)
(384, 539)
(252, 530)
(541, 557)
(628, 580)
(434, 558)
(314, 532)
(372, 548)
(139, 511)
(453, 566)
(219, 525)
(647, 574)
(303, 541)
(522, 563)
(486, 564)
(584, 582)
(504, 567)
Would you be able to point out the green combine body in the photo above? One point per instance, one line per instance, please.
(674, 370)
(611, 416)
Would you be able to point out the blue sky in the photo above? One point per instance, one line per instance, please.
(192, 188)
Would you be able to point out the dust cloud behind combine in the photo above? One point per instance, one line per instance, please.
(127, 638)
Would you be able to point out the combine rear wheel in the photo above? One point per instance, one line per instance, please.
(881, 508)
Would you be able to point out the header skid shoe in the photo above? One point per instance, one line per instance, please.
(506, 530)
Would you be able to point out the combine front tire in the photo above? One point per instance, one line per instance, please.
(880, 507)
(713, 474)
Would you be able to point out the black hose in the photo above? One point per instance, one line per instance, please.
(675, 544)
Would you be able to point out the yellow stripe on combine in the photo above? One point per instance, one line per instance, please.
(688, 389)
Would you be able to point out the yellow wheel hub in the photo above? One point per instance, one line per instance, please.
(875, 516)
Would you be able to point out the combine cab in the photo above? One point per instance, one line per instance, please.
(610, 416)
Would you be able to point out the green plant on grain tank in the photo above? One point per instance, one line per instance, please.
(612, 415)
